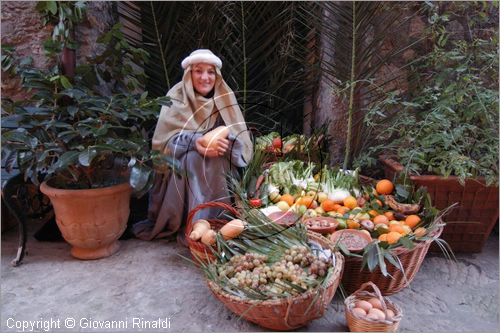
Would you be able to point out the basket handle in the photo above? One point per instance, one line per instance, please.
(212, 204)
(377, 292)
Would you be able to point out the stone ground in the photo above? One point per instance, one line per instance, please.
(149, 280)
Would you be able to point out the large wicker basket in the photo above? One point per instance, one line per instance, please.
(357, 324)
(470, 223)
(200, 251)
(411, 260)
(286, 313)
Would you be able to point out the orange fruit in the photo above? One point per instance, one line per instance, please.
(412, 221)
(342, 210)
(328, 205)
(336, 206)
(420, 232)
(380, 219)
(390, 215)
(382, 238)
(350, 202)
(393, 237)
(373, 213)
(384, 186)
(397, 228)
(289, 199)
(351, 224)
(305, 201)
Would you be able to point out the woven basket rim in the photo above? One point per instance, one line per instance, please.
(198, 245)
(401, 249)
(339, 265)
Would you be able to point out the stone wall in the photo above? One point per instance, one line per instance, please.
(22, 28)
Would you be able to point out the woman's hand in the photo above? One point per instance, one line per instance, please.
(220, 150)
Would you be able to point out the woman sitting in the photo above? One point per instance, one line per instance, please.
(201, 102)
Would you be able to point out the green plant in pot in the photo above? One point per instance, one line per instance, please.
(89, 151)
(444, 135)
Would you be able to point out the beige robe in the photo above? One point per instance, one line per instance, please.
(173, 196)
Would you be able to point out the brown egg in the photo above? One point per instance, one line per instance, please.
(372, 316)
(363, 305)
(375, 302)
(390, 314)
(378, 312)
(358, 312)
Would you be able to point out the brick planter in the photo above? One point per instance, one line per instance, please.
(470, 223)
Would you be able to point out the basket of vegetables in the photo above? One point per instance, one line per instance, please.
(384, 229)
(400, 226)
(368, 311)
(280, 278)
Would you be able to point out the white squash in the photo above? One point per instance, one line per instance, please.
(208, 237)
(199, 228)
(232, 229)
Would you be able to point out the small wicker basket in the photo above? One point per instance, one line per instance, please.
(289, 313)
(200, 251)
(357, 324)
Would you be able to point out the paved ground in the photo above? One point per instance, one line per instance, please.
(150, 281)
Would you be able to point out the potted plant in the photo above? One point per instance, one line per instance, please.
(444, 136)
(88, 150)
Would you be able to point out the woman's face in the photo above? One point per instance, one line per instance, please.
(203, 77)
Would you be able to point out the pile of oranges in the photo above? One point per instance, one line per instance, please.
(367, 213)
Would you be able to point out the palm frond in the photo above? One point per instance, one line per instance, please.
(357, 33)
(265, 47)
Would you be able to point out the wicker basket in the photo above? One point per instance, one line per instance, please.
(357, 324)
(471, 222)
(286, 313)
(411, 260)
(200, 251)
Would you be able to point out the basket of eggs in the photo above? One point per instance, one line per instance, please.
(368, 311)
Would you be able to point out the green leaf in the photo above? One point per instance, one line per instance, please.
(10, 160)
(407, 243)
(139, 176)
(72, 110)
(64, 160)
(18, 135)
(65, 82)
(381, 261)
(85, 157)
(402, 192)
(391, 258)
(371, 254)
(52, 7)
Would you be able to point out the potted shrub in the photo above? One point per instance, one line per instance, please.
(89, 151)
(445, 134)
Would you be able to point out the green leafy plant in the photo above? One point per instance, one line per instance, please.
(64, 15)
(69, 130)
(449, 123)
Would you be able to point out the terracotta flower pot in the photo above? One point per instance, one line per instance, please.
(470, 223)
(91, 220)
